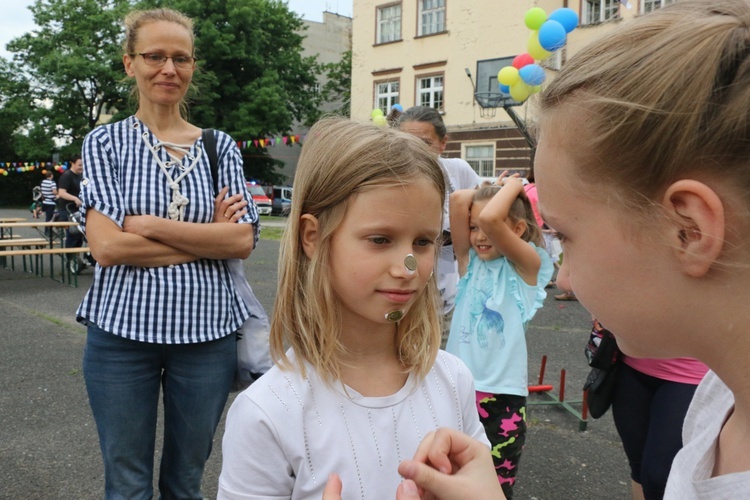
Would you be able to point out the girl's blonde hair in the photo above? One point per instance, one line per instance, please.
(664, 96)
(519, 210)
(339, 159)
(136, 19)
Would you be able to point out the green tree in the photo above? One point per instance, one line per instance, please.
(16, 109)
(73, 63)
(338, 87)
(253, 80)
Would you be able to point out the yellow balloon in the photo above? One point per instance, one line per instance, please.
(535, 49)
(508, 75)
(520, 91)
(376, 112)
(380, 121)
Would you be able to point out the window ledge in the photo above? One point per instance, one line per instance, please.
(387, 43)
(444, 32)
(601, 23)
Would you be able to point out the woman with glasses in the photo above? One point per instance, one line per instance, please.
(162, 311)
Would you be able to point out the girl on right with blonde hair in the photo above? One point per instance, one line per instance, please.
(643, 168)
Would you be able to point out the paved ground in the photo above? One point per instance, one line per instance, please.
(48, 443)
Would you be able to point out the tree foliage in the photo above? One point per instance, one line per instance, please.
(252, 80)
(338, 88)
(73, 63)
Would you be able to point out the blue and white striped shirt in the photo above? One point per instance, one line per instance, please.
(48, 191)
(177, 304)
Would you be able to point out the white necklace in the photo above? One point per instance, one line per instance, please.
(176, 209)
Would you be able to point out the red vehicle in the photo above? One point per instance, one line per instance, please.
(262, 201)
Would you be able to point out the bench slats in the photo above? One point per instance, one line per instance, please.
(43, 251)
(24, 242)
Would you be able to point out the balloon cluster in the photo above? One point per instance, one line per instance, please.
(548, 34)
(378, 117)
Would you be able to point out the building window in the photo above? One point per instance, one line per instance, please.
(430, 92)
(389, 23)
(386, 95)
(431, 17)
(316, 88)
(599, 11)
(482, 159)
(651, 5)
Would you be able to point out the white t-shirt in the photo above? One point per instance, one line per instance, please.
(286, 434)
(690, 476)
(461, 176)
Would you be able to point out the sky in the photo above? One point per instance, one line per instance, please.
(16, 18)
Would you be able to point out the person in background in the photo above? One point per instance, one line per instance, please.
(162, 312)
(49, 194)
(504, 269)
(68, 189)
(427, 124)
(363, 380)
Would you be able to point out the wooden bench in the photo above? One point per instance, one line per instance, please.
(20, 242)
(24, 242)
(38, 253)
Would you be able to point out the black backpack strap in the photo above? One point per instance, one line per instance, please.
(209, 145)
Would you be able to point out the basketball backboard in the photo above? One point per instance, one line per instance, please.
(487, 93)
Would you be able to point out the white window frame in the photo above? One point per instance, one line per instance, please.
(608, 10)
(483, 165)
(389, 28)
(431, 15)
(653, 5)
(432, 95)
(554, 61)
(387, 94)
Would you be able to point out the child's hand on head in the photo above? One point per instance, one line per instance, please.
(505, 178)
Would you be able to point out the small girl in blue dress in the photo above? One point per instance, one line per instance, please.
(503, 268)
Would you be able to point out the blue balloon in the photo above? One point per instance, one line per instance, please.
(398, 108)
(565, 16)
(532, 74)
(505, 89)
(552, 36)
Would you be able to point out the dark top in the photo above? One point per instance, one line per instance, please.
(70, 182)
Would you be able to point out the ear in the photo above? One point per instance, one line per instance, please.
(443, 144)
(128, 63)
(698, 225)
(308, 234)
(520, 227)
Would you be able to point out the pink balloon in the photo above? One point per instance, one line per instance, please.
(522, 60)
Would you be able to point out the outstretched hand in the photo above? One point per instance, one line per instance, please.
(407, 490)
(229, 209)
(451, 465)
(448, 465)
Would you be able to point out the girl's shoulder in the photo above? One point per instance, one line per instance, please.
(449, 366)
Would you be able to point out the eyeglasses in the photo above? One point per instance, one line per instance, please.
(158, 60)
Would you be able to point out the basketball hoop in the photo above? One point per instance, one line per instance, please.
(490, 101)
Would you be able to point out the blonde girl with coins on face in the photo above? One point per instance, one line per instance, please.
(643, 168)
(162, 311)
(504, 269)
(363, 381)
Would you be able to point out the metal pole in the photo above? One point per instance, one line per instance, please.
(521, 126)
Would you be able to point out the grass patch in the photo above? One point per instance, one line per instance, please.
(271, 233)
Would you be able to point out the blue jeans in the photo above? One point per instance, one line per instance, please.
(123, 378)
